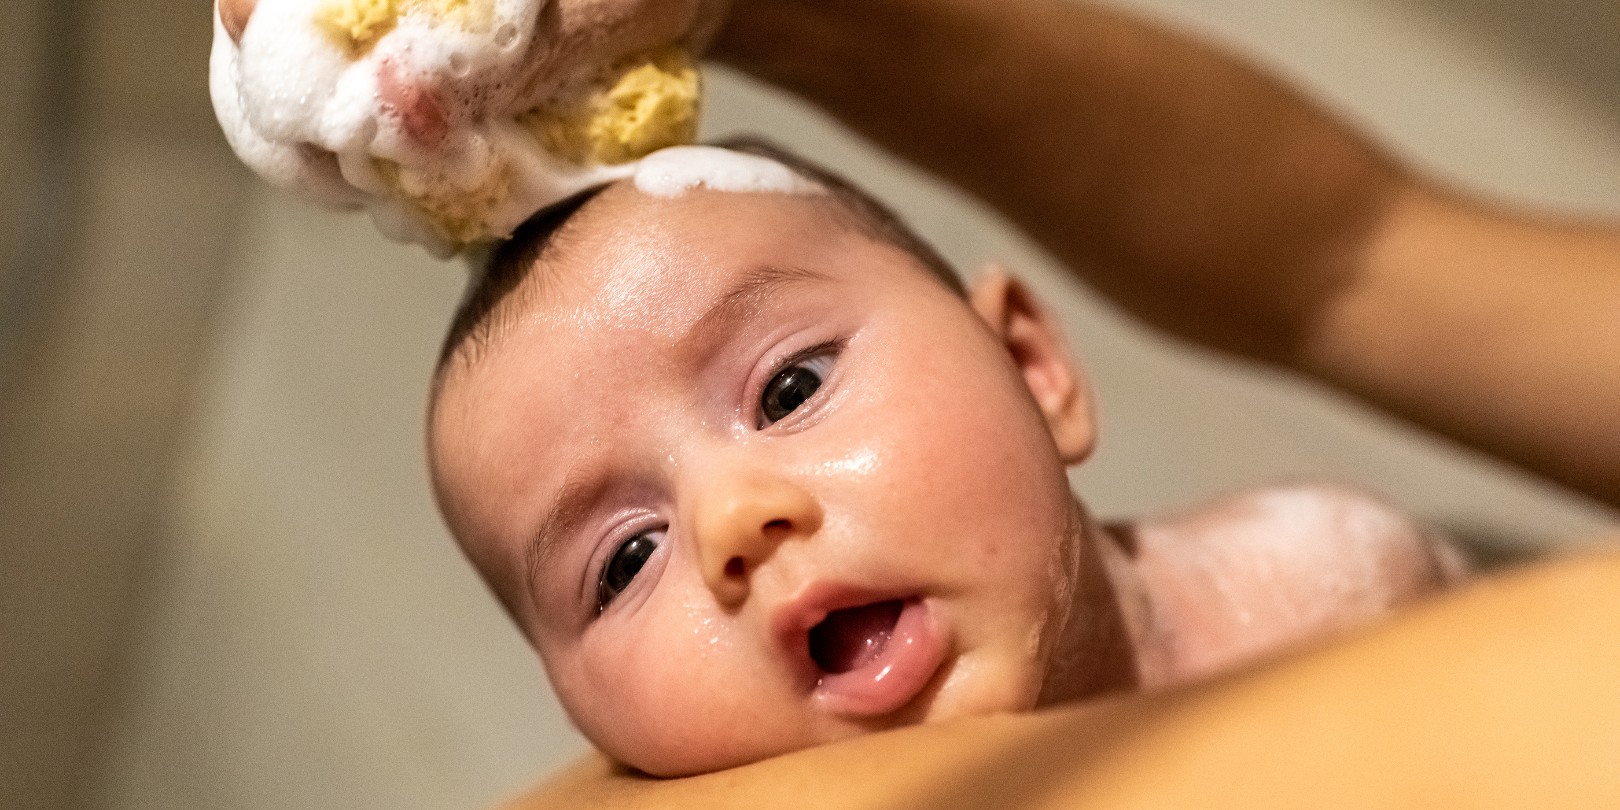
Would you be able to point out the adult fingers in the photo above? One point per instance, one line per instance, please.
(234, 15)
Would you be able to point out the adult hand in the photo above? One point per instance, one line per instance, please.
(416, 110)
(570, 36)
(234, 15)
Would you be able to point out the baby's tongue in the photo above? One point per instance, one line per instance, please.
(851, 638)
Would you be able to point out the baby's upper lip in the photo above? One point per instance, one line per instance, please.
(792, 620)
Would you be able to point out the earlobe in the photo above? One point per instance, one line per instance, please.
(1032, 338)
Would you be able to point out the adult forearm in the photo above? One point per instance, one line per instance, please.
(1191, 187)
(1495, 327)
(1214, 201)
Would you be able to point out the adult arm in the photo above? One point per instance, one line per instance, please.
(1217, 203)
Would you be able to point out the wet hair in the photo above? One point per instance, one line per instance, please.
(509, 263)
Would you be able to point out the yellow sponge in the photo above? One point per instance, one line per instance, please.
(356, 25)
(636, 107)
(459, 216)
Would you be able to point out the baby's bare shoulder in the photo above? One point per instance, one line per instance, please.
(1316, 524)
(1262, 568)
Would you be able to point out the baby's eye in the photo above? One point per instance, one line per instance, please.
(791, 387)
(623, 566)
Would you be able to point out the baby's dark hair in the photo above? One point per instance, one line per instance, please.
(510, 262)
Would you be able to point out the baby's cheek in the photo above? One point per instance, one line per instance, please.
(627, 702)
(988, 476)
(682, 697)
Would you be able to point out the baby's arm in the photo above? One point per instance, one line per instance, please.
(1245, 575)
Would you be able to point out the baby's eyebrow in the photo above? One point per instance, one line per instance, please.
(744, 298)
(567, 511)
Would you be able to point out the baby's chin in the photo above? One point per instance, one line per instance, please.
(967, 689)
(688, 757)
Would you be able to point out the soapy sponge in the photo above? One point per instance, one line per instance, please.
(458, 216)
(464, 170)
(356, 25)
(634, 108)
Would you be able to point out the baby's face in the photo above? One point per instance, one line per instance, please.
(751, 481)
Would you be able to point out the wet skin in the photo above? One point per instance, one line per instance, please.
(617, 407)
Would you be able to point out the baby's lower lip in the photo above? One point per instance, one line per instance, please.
(885, 682)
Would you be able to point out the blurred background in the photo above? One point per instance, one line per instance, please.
(222, 580)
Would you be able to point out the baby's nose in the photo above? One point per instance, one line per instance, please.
(740, 522)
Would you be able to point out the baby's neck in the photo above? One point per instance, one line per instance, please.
(1146, 621)
(1114, 638)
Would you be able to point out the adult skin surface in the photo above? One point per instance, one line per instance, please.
(570, 34)
(1500, 695)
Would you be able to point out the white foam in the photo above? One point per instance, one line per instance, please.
(674, 171)
(307, 114)
(290, 98)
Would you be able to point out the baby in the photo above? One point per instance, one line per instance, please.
(753, 472)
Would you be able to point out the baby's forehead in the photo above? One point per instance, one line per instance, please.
(640, 244)
(622, 217)
(636, 287)
(623, 257)
(629, 250)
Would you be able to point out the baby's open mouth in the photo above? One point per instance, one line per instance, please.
(854, 637)
(861, 654)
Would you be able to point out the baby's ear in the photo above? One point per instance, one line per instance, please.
(1032, 336)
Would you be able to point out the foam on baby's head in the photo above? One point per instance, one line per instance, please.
(675, 171)
(417, 110)
(741, 165)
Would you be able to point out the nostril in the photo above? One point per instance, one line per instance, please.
(778, 525)
(735, 567)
